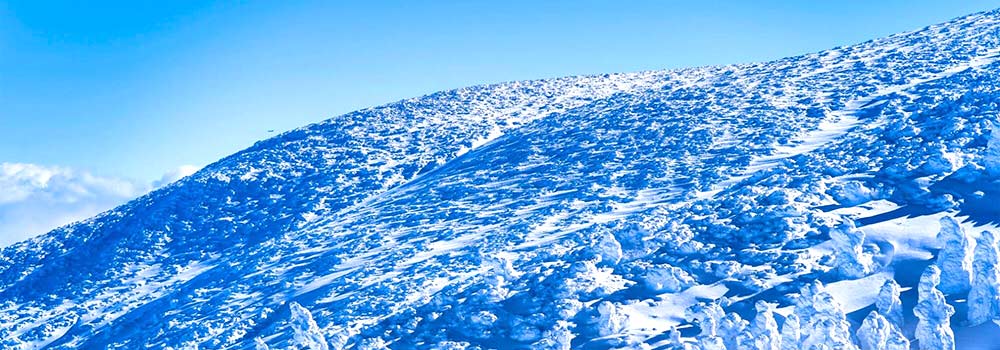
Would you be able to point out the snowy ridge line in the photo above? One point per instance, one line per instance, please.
(502, 122)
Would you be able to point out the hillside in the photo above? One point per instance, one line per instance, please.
(832, 200)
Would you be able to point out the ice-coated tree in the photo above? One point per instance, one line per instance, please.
(610, 320)
(711, 343)
(762, 334)
(259, 344)
(730, 328)
(307, 335)
(375, 343)
(608, 248)
(829, 325)
(663, 278)
(790, 333)
(955, 257)
(823, 323)
(933, 312)
(676, 343)
(888, 303)
(558, 338)
(804, 308)
(984, 297)
(338, 339)
(675, 336)
(851, 260)
(992, 161)
(827, 333)
(707, 316)
(897, 343)
(877, 333)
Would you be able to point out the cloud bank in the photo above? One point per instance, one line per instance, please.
(35, 199)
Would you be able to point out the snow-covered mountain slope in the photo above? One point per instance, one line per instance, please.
(833, 200)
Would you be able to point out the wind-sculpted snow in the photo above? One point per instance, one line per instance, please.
(791, 204)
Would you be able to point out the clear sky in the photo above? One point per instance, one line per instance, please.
(134, 89)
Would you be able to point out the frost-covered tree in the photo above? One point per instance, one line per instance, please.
(826, 333)
(610, 320)
(338, 339)
(259, 344)
(730, 328)
(992, 157)
(790, 333)
(663, 278)
(711, 343)
(450, 345)
(307, 335)
(675, 336)
(954, 259)
(762, 334)
(804, 302)
(823, 323)
(608, 248)
(938, 160)
(708, 316)
(984, 297)
(877, 333)
(888, 303)
(851, 260)
(676, 343)
(829, 326)
(851, 193)
(375, 343)
(934, 326)
(558, 338)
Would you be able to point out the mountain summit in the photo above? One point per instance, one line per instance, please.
(840, 200)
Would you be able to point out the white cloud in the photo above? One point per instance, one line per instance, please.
(176, 174)
(35, 199)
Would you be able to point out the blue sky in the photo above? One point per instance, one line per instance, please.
(134, 89)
